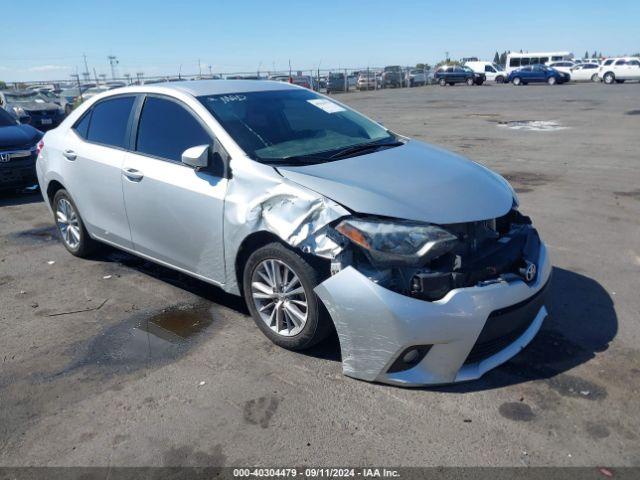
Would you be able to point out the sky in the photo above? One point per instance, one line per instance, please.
(166, 37)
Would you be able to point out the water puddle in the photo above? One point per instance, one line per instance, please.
(144, 341)
(40, 234)
(533, 125)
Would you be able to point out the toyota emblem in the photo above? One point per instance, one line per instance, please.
(530, 272)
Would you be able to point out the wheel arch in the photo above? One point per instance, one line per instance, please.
(52, 189)
(261, 238)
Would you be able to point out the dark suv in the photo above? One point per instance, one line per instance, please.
(452, 74)
(392, 77)
(17, 153)
(336, 83)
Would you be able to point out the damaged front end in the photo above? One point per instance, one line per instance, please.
(426, 261)
(413, 303)
(418, 304)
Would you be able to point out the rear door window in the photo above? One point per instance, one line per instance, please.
(109, 121)
(167, 129)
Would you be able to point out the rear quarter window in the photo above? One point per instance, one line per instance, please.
(81, 127)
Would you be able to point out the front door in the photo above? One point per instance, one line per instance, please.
(175, 212)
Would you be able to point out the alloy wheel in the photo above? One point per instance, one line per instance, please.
(279, 297)
(68, 223)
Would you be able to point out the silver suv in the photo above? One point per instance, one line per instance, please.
(321, 218)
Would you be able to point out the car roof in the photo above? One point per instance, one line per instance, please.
(212, 87)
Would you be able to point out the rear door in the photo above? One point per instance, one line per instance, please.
(175, 212)
(620, 69)
(459, 75)
(94, 154)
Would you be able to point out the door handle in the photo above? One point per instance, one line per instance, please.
(133, 174)
(70, 154)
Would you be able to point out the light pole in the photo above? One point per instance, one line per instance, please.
(113, 61)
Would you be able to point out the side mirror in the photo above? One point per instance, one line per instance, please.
(196, 157)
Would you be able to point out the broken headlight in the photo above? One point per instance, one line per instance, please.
(397, 243)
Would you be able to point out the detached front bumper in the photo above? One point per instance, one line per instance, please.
(377, 326)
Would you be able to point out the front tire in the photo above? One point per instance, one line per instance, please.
(516, 81)
(278, 287)
(73, 233)
(609, 78)
(551, 80)
(499, 79)
(470, 82)
(442, 82)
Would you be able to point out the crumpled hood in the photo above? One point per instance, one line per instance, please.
(18, 136)
(415, 182)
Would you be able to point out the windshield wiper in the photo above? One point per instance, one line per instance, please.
(294, 160)
(363, 147)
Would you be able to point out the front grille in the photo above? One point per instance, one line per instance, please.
(506, 325)
(10, 177)
(42, 113)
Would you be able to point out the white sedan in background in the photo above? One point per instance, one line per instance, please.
(586, 72)
(564, 66)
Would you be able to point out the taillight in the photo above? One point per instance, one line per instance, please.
(39, 147)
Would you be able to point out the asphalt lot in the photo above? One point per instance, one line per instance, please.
(158, 369)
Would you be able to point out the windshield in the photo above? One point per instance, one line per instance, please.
(291, 124)
(6, 120)
(24, 97)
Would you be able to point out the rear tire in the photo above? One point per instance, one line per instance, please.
(595, 78)
(73, 233)
(278, 314)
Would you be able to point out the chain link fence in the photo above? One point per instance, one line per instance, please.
(326, 80)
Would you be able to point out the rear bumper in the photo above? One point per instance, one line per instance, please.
(376, 326)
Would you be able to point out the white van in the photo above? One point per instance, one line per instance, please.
(517, 60)
(493, 71)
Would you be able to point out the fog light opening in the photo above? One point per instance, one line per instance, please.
(409, 358)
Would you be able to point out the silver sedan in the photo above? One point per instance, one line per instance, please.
(321, 218)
